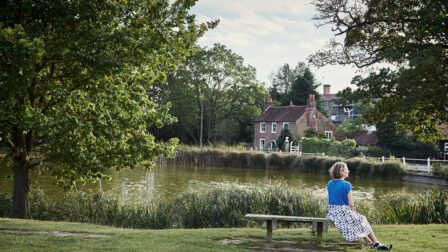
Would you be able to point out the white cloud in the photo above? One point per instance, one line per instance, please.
(270, 33)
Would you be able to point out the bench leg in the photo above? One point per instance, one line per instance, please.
(269, 230)
(320, 228)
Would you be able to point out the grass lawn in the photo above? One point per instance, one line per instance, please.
(28, 235)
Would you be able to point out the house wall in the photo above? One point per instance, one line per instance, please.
(268, 136)
(323, 124)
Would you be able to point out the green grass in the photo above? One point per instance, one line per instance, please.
(404, 237)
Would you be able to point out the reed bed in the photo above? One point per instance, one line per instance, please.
(226, 207)
(360, 167)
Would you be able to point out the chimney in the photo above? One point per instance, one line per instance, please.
(268, 103)
(312, 112)
(327, 89)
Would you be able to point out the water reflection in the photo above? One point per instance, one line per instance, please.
(167, 181)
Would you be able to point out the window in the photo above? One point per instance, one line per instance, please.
(446, 147)
(328, 134)
(274, 127)
(273, 145)
(262, 144)
(263, 127)
(286, 125)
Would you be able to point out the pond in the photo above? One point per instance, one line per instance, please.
(167, 181)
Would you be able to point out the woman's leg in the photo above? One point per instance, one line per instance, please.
(373, 238)
(368, 240)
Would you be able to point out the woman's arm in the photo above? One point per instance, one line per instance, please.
(351, 204)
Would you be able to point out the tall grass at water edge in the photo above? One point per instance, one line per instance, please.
(360, 167)
(226, 207)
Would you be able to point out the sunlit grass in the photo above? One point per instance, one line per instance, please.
(403, 237)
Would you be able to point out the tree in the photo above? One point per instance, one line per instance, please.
(216, 80)
(409, 35)
(74, 77)
(294, 85)
(281, 139)
(348, 127)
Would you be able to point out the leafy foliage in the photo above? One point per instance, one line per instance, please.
(410, 36)
(74, 77)
(294, 85)
(216, 80)
(345, 148)
(281, 139)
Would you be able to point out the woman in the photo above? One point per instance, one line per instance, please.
(341, 209)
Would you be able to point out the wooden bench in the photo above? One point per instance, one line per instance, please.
(318, 222)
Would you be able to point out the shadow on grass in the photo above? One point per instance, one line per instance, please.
(260, 244)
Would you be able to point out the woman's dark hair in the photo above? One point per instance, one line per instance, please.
(337, 170)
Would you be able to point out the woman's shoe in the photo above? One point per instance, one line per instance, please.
(384, 246)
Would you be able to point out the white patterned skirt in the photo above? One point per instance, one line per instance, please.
(351, 224)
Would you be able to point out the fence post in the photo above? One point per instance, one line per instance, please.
(382, 159)
(404, 161)
(429, 164)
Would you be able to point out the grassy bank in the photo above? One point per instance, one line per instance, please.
(360, 167)
(225, 207)
(62, 236)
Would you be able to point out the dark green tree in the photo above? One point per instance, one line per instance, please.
(217, 81)
(409, 35)
(74, 77)
(294, 85)
(281, 139)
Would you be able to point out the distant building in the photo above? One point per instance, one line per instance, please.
(337, 113)
(296, 118)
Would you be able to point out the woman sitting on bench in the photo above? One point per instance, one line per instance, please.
(341, 209)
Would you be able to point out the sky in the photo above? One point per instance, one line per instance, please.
(270, 33)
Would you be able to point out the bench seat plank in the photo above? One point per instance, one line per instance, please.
(286, 218)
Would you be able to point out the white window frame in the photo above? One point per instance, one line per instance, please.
(262, 127)
(446, 146)
(261, 146)
(272, 127)
(330, 134)
(285, 123)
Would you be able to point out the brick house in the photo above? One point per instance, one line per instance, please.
(296, 118)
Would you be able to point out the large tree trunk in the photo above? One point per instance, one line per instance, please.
(20, 204)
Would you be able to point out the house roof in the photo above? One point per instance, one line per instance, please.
(282, 114)
(363, 137)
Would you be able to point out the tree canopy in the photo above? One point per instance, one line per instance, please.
(74, 77)
(218, 82)
(411, 37)
(294, 85)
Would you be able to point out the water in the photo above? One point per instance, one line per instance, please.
(167, 181)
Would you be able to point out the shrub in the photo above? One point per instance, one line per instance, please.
(441, 170)
(345, 148)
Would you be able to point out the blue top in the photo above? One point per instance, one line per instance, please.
(337, 192)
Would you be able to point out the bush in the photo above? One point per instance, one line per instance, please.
(345, 148)
(441, 170)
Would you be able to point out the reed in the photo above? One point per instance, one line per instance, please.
(361, 167)
(225, 207)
